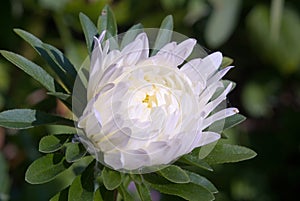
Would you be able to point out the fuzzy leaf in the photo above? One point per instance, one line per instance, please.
(63, 68)
(201, 181)
(27, 118)
(33, 70)
(175, 174)
(111, 179)
(46, 169)
(131, 34)
(107, 21)
(227, 153)
(195, 161)
(89, 30)
(164, 35)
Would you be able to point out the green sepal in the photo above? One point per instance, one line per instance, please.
(61, 196)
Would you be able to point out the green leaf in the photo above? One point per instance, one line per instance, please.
(131, 34)
(111, 179)
(82, 188)
(206, 149)
(61, 196)
(98, 196)
(74, 151)
(227, 153)
(190, 191)
(164, 35)
(143, 191)
(46, 169)
(27, 118)
(222, 21)
(52, 143)
(33, 70)
(107, 22)
(227, 123)
(226, 62)
(195, 161)
(89, 30)
(201, 181)
(54, 57)
(175, 174)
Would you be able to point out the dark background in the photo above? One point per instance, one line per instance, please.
(266, 53)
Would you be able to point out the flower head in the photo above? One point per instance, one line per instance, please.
(143, 110)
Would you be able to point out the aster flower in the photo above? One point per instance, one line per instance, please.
(144, 110)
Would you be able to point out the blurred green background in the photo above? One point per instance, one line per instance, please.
(263, 38)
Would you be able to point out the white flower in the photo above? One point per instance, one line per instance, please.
(144, 111)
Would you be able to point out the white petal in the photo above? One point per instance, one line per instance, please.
(114, 159)
(218, 116)
(206, 138)
(134, 159)
(213, 104)
(210, 64)
(219, 75)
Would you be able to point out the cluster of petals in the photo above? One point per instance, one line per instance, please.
(144, 110)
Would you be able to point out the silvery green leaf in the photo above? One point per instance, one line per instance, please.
(27, 118)
(46, 169)
(228, 153)
(89, 30)
(164, 35)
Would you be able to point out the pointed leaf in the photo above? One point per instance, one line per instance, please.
(164, 35)
(52, 143)
(111, 179)
(46, 169)
(201, 181)
(195, 161)
(54, 57)
(27, 118)
(227, 153)
(89, 30)
(175, 174)
(33, 70)
(107, 21)
(206, 149)
(131, 34)
(74, 151)
(188, 191)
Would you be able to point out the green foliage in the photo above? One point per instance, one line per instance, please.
(89, 30)
(164, 35)
(227, 153)
(27, 118)
(46, 168)
(74, 152)
(111, 179)
(52, 143)
(175, 174)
